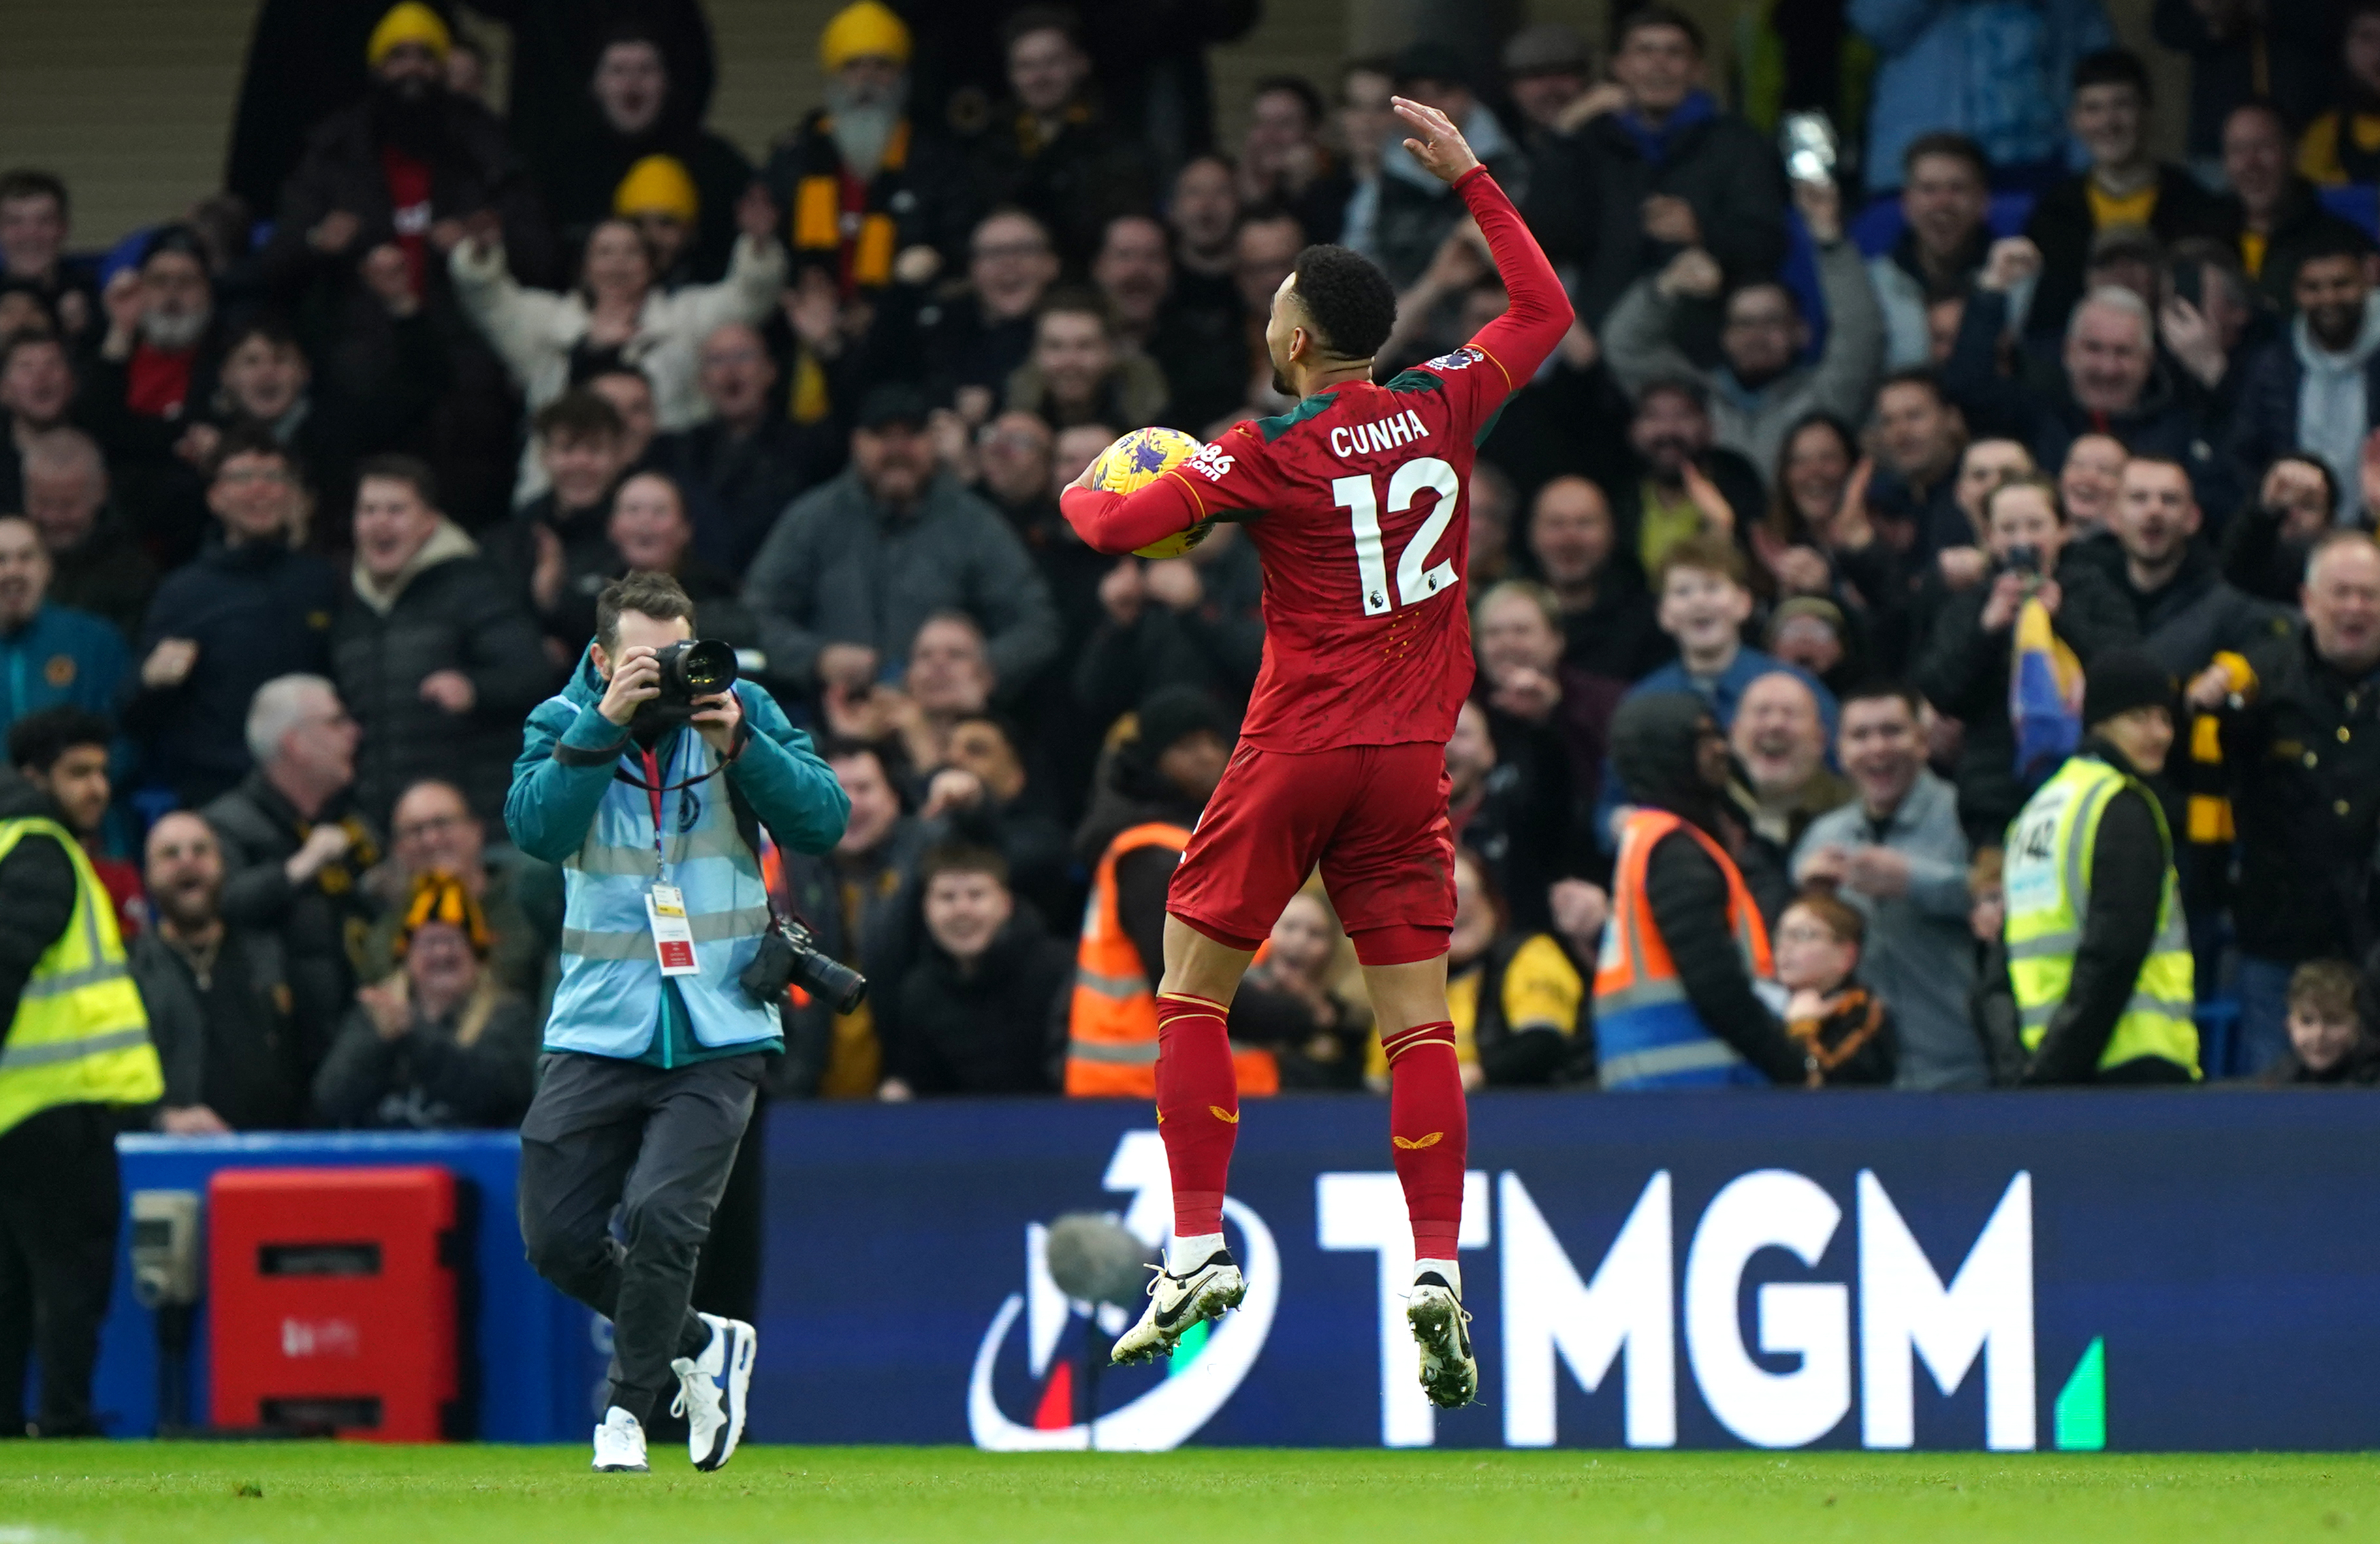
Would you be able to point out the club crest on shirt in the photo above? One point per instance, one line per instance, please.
(1462, 359)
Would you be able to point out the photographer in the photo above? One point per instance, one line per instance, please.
(651, 797)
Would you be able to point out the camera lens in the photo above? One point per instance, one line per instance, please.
(707, 666)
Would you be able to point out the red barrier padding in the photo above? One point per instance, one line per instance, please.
(332, 1294)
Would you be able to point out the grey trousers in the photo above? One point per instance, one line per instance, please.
(657, 1144)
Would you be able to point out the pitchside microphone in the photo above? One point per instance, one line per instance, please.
(1094, 1259)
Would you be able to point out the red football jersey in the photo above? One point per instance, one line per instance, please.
(1364, 530)
(1356, 502)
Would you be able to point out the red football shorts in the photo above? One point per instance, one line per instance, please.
(1373, 818)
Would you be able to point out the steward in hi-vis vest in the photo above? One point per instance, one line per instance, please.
(1112, 1024)
(2098, 951)
(75, 1055)
(1683, 994)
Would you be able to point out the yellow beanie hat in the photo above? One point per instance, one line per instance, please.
(866, 29)
(657, 185)
(410, 21)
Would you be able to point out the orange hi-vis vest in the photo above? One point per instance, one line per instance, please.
(1112, 1025)
(1647, 1032)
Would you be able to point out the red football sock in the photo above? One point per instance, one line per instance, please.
(1429, 1131)
(1197, 1109)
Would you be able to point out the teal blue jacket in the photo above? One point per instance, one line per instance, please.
(569, 807)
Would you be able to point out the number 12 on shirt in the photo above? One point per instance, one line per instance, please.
(1416, 582)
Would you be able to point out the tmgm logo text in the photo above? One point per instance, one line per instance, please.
(1621, 1317)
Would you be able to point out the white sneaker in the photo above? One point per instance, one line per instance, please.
(620, 1445)
(712, 1389)
(1449, 1374)
(1175, 1303)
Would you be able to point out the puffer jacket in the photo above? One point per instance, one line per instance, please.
(445, 610)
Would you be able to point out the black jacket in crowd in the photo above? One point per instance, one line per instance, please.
(453, 614)
(980, 1031)
(319, 923)
(1587, 204)
(1090, 172)
(230, 1039)
(427, 1079)
(37, 891)
(1687, 893)
(2303, 754)
(256, 611)
(2128, 862)
(1963, 670)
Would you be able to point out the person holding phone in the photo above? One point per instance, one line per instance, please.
(1963, 667)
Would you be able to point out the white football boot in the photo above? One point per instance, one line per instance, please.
(1175, 1303)
(1449, 1374)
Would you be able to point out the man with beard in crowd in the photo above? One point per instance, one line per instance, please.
(861, 182)
(2318, 388)
(236, 1056)
(393, 179)
(154, 372)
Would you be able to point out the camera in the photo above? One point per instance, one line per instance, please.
(689, 668)
(2025, 558)
(789, 956)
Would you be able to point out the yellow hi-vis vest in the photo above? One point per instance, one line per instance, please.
(2047, 882)
(80, 1035)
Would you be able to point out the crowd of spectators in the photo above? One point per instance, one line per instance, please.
(306, 496)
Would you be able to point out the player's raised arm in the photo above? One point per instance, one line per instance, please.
(1540, 312)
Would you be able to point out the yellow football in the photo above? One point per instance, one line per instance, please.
(1138, 460)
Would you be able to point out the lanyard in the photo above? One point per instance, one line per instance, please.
(653, 769)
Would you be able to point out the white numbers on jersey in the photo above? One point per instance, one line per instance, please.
(1414, 582)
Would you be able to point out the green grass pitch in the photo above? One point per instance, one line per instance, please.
(141, 1492)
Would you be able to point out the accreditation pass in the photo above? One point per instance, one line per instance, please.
(673, 936)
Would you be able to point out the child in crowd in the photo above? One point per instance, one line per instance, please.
(2329, 1040)
(1845, 1030)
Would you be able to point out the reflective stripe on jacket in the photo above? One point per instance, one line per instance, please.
(1648, 1034)
(79, 1035)
(608, 1002)
(2048, 884)
(1112, 1024)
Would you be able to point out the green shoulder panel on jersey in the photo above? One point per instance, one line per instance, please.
(1279, 424)
(1419, 380)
